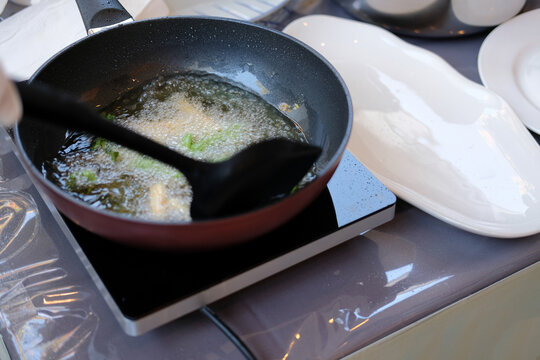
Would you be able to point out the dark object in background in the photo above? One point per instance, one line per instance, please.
(433, 18)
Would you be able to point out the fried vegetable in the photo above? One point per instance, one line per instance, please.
(108, 116)
(109, 148)
(202, 143)
(158, 199)
(82, 181)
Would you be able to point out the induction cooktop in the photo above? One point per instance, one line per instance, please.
(148, 288)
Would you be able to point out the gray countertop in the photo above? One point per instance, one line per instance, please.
(326, 307)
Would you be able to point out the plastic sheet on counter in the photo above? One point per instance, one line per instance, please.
(369, 287)
(44, 313)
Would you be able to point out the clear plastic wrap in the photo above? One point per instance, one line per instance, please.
(44, 314)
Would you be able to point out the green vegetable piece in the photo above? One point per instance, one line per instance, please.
(89, 175)
(101, 143)
(81, 181)
(114, 155)
(72, 182)
(145, 162)
(108, 116)
(203, 143)
(187, 141)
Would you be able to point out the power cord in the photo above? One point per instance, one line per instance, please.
(210, 314)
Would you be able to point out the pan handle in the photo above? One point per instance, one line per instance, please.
(100, 14)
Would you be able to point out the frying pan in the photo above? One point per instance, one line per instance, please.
(282, 70)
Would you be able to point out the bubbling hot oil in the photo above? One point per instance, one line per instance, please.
(200, 116)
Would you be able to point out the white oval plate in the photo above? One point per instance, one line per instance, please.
(509, 64)
(438, 140)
